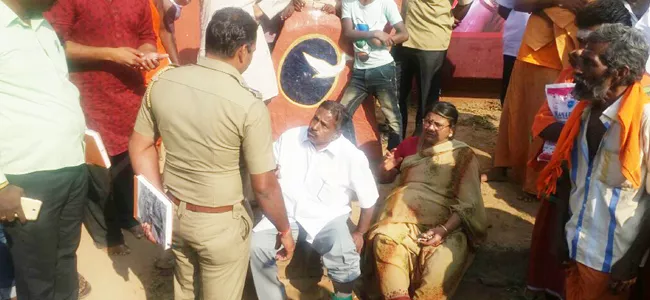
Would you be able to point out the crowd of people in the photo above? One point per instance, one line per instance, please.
(201, 134)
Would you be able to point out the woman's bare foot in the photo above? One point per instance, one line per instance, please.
(496, 174)
(119, 250)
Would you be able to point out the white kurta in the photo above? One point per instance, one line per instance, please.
(260, 75)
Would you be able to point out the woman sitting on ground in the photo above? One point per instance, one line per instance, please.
(426, 235)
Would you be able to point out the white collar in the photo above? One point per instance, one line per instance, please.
(333, 147)
(609, 114)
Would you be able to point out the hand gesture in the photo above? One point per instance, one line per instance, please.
(10, 205)
(287, 12)
(126, 56)
(390, 162)
(150, 61)
(288, 246)
(618, 287)
(298, 4)
(357, 237)
(328, 8)
(384, 37)
(148, 232)
(456, 23)
(624, 274)
(375, 42)
(433, 237)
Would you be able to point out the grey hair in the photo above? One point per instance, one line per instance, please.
(627, 47)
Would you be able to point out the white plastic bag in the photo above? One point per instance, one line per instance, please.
(561, 103)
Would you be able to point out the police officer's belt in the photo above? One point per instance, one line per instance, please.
(199, 208)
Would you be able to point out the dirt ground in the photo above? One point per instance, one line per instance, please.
(498, 271)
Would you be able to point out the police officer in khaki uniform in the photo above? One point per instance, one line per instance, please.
(208, 119)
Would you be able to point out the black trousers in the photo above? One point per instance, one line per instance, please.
(44, 251)
(508, 64)
(425, 67)
(110, 208)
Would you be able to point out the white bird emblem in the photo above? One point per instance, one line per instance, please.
(324, 69)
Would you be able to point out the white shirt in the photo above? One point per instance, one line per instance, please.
(606, 209)
(513, 30)
(375, 15)
(260, 75)
(643, 25)
(317, 186)
(41, 122)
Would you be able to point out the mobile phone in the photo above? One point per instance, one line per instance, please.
(31, 208)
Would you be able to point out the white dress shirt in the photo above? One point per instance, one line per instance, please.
(41, 122)
(260, 75)
(606, 209)
(318, 185)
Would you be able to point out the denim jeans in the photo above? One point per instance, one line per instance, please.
(7, 289)
(380, 82)
(334, 243)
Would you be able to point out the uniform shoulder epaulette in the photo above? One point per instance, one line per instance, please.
(253, 91)
(154, 78)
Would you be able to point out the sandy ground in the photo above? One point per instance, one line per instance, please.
(498, 271)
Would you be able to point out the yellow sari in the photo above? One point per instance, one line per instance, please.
(435, 183)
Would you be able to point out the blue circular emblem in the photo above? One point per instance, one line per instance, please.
(571, 103)
(309, 70)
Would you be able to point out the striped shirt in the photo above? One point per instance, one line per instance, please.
(606, 209)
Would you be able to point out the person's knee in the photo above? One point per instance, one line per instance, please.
(346, 272)
(343, 266)
(261, 253)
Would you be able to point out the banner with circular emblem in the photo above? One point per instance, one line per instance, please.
(313, 64)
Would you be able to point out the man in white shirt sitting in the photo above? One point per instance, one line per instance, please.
(319, 172)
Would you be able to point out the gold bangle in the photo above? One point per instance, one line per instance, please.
(445, 228)
(4, 185)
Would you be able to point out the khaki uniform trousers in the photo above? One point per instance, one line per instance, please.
(215, 247)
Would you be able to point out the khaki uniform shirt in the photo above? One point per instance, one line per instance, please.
(429, 23)
(207, 118)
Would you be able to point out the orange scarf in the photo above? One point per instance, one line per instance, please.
(545, 118)
(629, 117)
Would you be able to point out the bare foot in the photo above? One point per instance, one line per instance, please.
(119, 250)
(496, 174)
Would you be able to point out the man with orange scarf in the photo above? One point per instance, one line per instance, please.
(547, 42)
(545, 272)
(602, 194)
